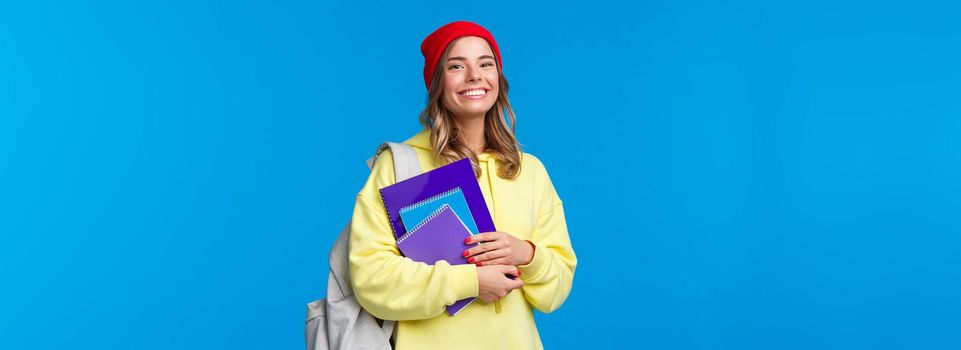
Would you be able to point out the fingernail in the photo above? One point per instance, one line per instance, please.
(470, 259)
(465, 253)
(478, 263)
(466, 240)
(518, 273)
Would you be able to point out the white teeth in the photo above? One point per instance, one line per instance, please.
(474, 92)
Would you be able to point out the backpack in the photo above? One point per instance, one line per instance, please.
(337, 321)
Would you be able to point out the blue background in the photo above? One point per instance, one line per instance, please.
(737, 175)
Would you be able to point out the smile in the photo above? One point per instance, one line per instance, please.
(473, 94)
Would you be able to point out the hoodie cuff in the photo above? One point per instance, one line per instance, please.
(464, 281)
(537, 265)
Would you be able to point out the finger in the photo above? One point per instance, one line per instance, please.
(494, 254)
(512, 270)
(483, 237)
(476, 238)
(492, 247)
(516, 283)
(477, 250)
(498, 261)
(481, 248)
(486, 247)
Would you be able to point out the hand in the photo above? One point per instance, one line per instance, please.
(498, 248)
(493, 284)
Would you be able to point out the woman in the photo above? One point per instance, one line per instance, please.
(528, 264)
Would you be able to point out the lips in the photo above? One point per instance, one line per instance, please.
(474, 93)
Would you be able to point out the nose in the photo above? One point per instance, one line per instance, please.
(473, 74)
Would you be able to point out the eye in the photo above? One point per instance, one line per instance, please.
(487, 64)
(454, 66)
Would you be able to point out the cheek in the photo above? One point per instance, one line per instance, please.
(492, 77)
(448, 101)
(493, 80)
(450, 80)
(448, 85)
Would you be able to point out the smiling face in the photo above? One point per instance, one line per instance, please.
(470, 78)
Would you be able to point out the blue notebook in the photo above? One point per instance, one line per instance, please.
(414, 214)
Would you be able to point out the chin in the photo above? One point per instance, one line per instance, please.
(475, 111)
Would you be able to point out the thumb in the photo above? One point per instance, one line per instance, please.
(516, 283)
(509, 270)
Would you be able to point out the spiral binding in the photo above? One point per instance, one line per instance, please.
(422, 223)
(429, 200)
(387, 211)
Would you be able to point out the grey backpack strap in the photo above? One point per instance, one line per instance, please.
(338, 321)
(406, 164)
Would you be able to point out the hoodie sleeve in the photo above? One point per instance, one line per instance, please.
(386, 284)
(550, 274)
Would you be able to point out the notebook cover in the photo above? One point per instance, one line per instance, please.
(439, 237)
(413, 214)
(423, 186)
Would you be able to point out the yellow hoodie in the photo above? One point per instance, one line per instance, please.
(393, 287)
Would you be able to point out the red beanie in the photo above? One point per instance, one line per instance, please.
(435, 43)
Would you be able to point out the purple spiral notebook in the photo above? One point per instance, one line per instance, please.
(434, 182)
(439, 237)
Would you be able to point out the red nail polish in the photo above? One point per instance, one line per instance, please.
(470, 259)
(465, 253)
(478, 263)
(518, 273)
(467, 240)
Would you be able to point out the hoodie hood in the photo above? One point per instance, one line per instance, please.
(420, 140)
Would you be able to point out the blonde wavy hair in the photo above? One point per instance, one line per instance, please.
(445, 137)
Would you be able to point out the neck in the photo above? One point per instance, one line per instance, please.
(472, 130)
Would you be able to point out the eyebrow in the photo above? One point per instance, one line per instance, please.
(464, 59)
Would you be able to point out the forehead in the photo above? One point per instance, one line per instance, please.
(470, 47)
